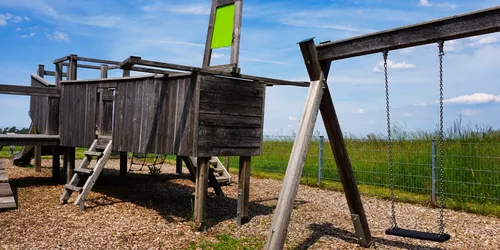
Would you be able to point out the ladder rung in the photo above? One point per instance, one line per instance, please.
(218, 170)
(89, 153)
(87, 171)
(73, 188)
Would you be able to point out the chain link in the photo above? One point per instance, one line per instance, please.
(441, 139)
(394, 223)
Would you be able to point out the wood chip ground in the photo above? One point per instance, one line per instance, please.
(155, 213)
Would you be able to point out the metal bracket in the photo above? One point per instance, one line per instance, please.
(359, 231)
(238, 208)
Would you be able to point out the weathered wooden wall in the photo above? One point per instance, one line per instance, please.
(78, 112)
(39, 106)
(156, 115)
(186, 115)
(231, 116)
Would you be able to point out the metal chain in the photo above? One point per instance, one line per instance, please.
(441, 139)
(394, 223)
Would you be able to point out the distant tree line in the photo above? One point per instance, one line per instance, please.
(14, 129)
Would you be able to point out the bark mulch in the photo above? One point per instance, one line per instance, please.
(155, 213)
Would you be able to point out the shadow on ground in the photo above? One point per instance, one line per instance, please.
(171, 200)
(327, 229)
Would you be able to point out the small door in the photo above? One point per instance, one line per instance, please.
(105, 110)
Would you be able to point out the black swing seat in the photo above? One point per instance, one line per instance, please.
(407, 233)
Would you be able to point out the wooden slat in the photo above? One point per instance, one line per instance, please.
(5, 190)
(84, 66)
(32, 91)
(95, 60)
(7, 202)
(222, 131)
(53, 73)
(459, 26)
(29, 139)
(224, 109)
(206, 97)
(230, 121)
(244, 151)
(216, 141)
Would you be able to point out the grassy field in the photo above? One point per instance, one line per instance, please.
(471, 166)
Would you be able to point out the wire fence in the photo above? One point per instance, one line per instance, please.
(471, 168)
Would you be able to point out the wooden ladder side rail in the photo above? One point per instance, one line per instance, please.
(191, 166)
(220, 165)
(76, 178)
(80, 200)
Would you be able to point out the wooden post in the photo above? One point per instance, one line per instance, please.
(226, 162)
(38, 148)
(53, 123)
(38, 158)
(243, 190)
(178, 164)
(317, 74)
(69, 154)
(201, 192)
(235, 48)
(124, 155)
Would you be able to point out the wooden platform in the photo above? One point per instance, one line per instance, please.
(29, 139)
(7, 200)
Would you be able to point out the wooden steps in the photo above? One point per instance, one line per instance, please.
(7, 200)
(84, 172)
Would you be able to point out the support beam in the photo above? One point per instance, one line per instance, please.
(31, 91)
(29, 139)
(243, 190)
(69, 162)
(178, 164)
(460, 26)
(38, 158)
(338, 146)
(124, 155)
(201, 192)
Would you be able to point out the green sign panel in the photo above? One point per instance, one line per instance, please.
(223, 27)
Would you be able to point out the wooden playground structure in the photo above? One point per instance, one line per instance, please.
(198, 113)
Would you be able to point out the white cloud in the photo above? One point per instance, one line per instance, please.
(482, 40)
(447, 5)
(7, 17)
(360, 111)
(18, 29)
(393, 65)
(58, 36)
(422, 104)
(193, 9)
(293, 118)
(215, 55)
(469, 112)
(476, 98)
(27, 19)
(424, 3)
(32, 34)
(407, 114)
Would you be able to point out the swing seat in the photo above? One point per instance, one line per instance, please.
(407, 233)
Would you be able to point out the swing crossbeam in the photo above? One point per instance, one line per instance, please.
(408, 233)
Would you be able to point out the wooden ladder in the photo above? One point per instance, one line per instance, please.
(221, 173)
(84, 171)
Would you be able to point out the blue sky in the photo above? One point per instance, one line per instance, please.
(37, 31)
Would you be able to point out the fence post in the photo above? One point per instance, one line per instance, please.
(434, 174)
(320, 160)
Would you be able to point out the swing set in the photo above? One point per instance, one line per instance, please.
(318, 59)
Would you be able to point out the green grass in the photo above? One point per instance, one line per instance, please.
(471, 166)
(225, 242)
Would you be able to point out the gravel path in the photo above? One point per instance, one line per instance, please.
(155, 213)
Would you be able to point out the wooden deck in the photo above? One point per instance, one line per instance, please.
(7, 200)
(29, 139)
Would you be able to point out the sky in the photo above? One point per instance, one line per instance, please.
(36, 32)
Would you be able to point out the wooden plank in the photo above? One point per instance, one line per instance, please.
(230, 121)
(133, 60)
(29, 139)
(53, 73)
(207, 55)
(7, 202)
(95, 60)
(237, 142)
(84, 66)
(231, 87)
(222, 131)
(4, 178)
(60, 60)
(230, 100)
(243, 189)
(455, 27)
(221, 151)
(223, 109)
(5, 190)
(32, 91)
(224, 68)
(281, 219)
